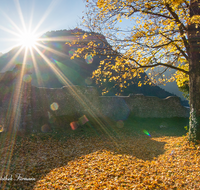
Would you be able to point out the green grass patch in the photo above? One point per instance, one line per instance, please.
(156, 126)
(133, 126)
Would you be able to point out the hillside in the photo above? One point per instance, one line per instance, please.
(77, 70)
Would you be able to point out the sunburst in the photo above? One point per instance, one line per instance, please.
(30, 43)
(28, 39)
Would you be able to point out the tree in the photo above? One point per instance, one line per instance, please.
(194, 70)
(160, 35)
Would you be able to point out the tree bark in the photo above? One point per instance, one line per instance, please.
(194, 73)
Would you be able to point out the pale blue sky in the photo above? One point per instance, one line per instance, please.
(53, 15)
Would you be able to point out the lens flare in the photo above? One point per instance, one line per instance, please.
(146, 132)
(28, 39)
(82, 120)
(71, 52)
(45, 128)
(89, 59)
(27, 78)
(1, 128)
(49, 115)
(74, 125)
(54, 106)
(118, 109)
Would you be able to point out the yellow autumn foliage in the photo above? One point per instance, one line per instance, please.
(144, 35)
(181, 77)
(95, 163)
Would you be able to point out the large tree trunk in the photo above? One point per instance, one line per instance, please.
(194, 73)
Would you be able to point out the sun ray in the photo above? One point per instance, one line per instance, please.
(53, 50)
(57, 39)
(15, 110)
(10, 63)
(38, 74)
(31, 18)
(25, 36)
(9, 31)
(49, 9)
(11, 22)
(28, 39)
(37, 71)
(15, 114)
(81, 99)
(9, 39)
(20, 14)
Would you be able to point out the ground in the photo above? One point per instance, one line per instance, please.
(129, 156)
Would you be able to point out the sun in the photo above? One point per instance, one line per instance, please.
(28, 39)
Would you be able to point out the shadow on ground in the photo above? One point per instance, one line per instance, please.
(33, 157)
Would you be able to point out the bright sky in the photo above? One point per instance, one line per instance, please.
(48, 15)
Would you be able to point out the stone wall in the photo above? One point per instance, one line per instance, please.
(143, 106)
(73, 100)
(23, 105)
(76, 100)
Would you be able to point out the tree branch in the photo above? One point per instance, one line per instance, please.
(161, 64)
(181, 27)
(148, 12)
(183, 53)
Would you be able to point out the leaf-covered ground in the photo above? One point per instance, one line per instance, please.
(131, 162)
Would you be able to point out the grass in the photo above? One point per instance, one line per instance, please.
(159, 126)
(118, 157)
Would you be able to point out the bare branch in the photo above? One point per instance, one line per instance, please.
(160, 64)
(183, 52)
(151, 13)
(181, 27)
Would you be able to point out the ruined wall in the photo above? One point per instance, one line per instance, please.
(143, 106)
(32, 104)
(73, 100)
(76, 100)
